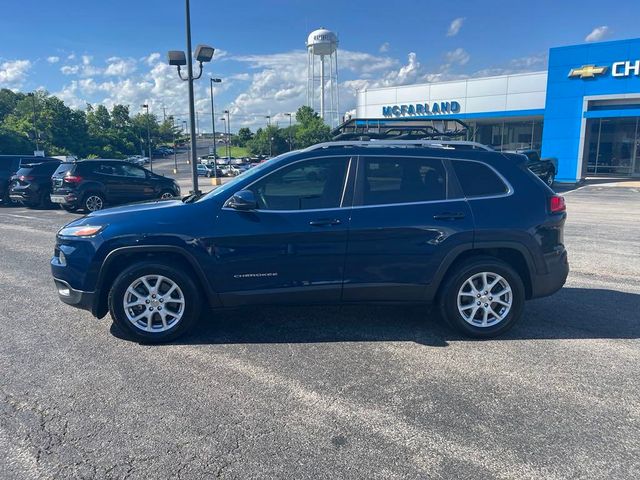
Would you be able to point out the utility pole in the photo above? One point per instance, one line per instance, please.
(164, 113)
(213, 129)
(146, 106)
(228, 135)
(290, 140)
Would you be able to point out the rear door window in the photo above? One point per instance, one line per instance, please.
(63, 168)
(394, 180)
(478, 179)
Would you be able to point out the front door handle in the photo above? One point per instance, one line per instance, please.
(324, 222)
(449, 216)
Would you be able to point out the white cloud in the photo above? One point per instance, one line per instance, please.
(384, 48)
(152, 59)
(86, 59)
(120, 67)
(13, 73)
(457, 57)
(70, 69)
(71, 56)
(53, 59)
(240, 76)
(455, 27)
(598, 33)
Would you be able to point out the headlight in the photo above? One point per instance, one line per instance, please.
(81, 231)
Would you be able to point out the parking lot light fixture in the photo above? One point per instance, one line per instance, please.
(203, 54)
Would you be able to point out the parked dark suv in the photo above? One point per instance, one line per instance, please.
(9, 166)
(470, 230)
(93, 184)
(31, 185)
(545, 168)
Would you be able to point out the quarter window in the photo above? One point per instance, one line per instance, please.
(403, 180)
(478, 180)
(312, 184)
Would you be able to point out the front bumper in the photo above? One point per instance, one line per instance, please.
(549, 283)
(76, 298)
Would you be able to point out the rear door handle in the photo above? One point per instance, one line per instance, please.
(449, 216)
(324, 222)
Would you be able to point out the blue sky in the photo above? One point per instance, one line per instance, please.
(114, 51)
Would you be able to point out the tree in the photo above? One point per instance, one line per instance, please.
(243, 137)
(311, 128)
(268, 141)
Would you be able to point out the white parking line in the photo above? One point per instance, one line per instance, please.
(20, 216)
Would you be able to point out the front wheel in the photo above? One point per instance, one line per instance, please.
(153, 302)
(166, 195)
(483, 297)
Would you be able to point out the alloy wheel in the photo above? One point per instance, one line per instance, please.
(485, 299)
(154, 303)
(93, 203)
(166, 196)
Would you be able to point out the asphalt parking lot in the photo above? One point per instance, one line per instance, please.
(354, 392)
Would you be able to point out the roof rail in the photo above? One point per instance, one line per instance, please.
(400, 129)
(447, 144)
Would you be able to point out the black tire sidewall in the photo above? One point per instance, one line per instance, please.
(189, 290)
(449, 298)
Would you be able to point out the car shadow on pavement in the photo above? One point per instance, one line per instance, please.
(572, 313)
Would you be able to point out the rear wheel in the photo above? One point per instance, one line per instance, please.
(166, 195)
(550, 178)
(482, 297)
(154, 302)
(93, 202)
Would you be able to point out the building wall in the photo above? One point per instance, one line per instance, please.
(511, 95)
(567, 98)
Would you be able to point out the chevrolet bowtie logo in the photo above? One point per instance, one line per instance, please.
(587, 71)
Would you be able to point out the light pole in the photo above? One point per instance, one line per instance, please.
(213, 128)
(290, 141)
(146, 106)
(175, 153)
(35, 125)
(203, 54)
(228, 135)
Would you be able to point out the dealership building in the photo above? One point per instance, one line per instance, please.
(584, 110)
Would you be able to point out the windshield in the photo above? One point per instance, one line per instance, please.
(255, 171)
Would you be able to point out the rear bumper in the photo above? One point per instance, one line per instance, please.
(549, 283)
(69, 199)
(73, 297)
(22, 195)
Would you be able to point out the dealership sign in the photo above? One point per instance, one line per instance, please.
(625, 68)
(435, 108)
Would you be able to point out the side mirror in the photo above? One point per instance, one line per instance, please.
(243, 200)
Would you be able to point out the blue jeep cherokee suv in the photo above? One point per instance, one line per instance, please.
(447, 223)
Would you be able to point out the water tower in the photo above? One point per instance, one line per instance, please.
(322, 49)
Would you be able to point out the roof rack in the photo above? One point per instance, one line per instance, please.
(447, 144)
(400, 129)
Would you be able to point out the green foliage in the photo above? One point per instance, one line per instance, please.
(97, 133)
(37, 117)
(242, 138)
(311, 128)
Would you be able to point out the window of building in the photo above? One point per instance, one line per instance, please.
(612, 146)
(403, 180)
(311, 184)
(477, 179)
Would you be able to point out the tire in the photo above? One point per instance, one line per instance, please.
(179, 318)
(166, 195)
(550, 178)
(92, 202)
(459, 302)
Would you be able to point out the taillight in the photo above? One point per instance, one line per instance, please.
(72, 179)
(557, 204)
(26, 178)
